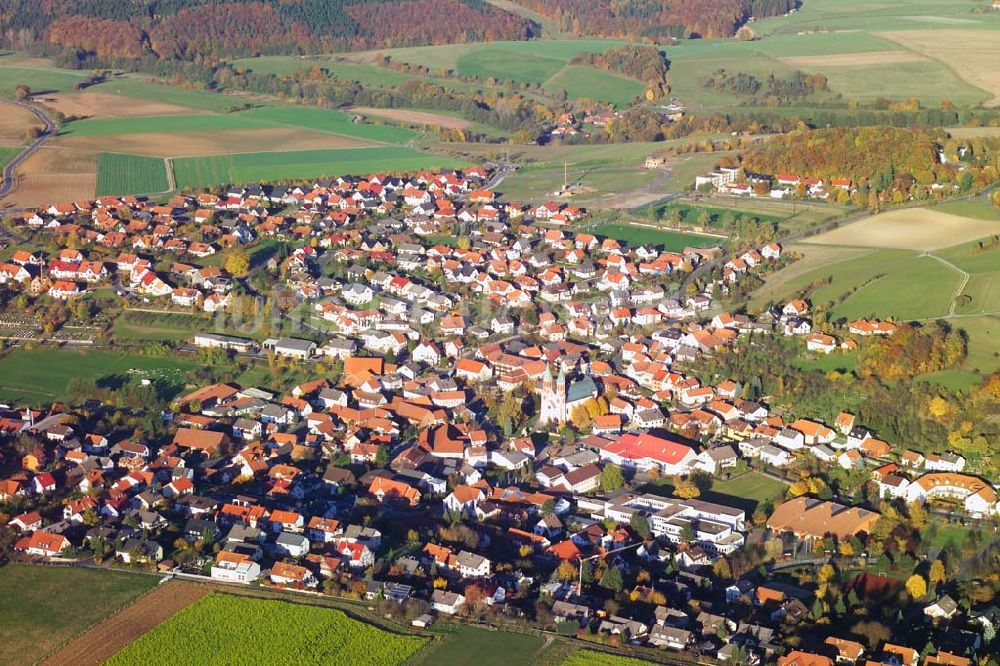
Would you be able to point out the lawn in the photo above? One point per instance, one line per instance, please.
(118, 174)
(671, 241)
(469, 645)
(746, 491)
(199, 172)
(43, 607)
(223, 629)
(42, 375)
(838, 361)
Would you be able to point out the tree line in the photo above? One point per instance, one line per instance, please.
(655, 19)
(118, 33)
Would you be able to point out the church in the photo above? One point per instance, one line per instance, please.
(558, 401)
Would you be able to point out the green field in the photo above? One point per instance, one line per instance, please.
(199, 172)
(882, 283)
(329, 120)
(144, 88)
(39, 79)
(595, 84)
(745, 492)
(118, 173)
(43, 607)
(595, 658)
(975, 208)
(42, 375)
(469, 645)
(7, 153)
(544, 63)
(223, 629)
(859, 29)
(324, 120)
(671, 241)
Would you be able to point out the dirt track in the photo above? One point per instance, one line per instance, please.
(99, 643)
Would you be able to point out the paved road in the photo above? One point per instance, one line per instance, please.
(9, 180)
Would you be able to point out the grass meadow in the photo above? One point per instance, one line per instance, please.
(671, 241)
(43, 607)
(42, 375)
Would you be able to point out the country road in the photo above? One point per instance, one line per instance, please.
(9, 179)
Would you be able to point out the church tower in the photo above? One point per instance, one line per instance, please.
(553, 398)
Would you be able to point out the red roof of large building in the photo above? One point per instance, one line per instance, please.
(649, 446)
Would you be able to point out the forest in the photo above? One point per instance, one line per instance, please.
(772, 91)
(882, 157)
(655, 19)
(88, 33)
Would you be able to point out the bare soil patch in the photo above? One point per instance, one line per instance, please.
(104, 640)
(105, 105)
(921, 229)
(14, 124)
(852, 59)
(972, 54)
(192, 144)
(415, 117)
(54, 174)
(970, 132)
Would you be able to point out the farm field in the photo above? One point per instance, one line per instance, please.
(322, 120)
(42, 375)
(924, 229)
(595, 658)
(7, 153)
(930, 50)
(543, 63)
(671, 241)
(469, 645)
(198, 172)
(224, 629)
(55, 173)
(104, 639)
(119, 174)
(43, 607)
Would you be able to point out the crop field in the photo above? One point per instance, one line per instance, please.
(671, 241)
(223, 629)
(149, 90)
(922, 229)
(469, 645)
(198, 172)
(94, 646)
(7, 153)
(922, 48)
(323, 120)
(42, 375)
(43, 607)
(118, 173)
(329, 120)
(595, 658)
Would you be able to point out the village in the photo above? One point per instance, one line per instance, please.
(493, 413)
